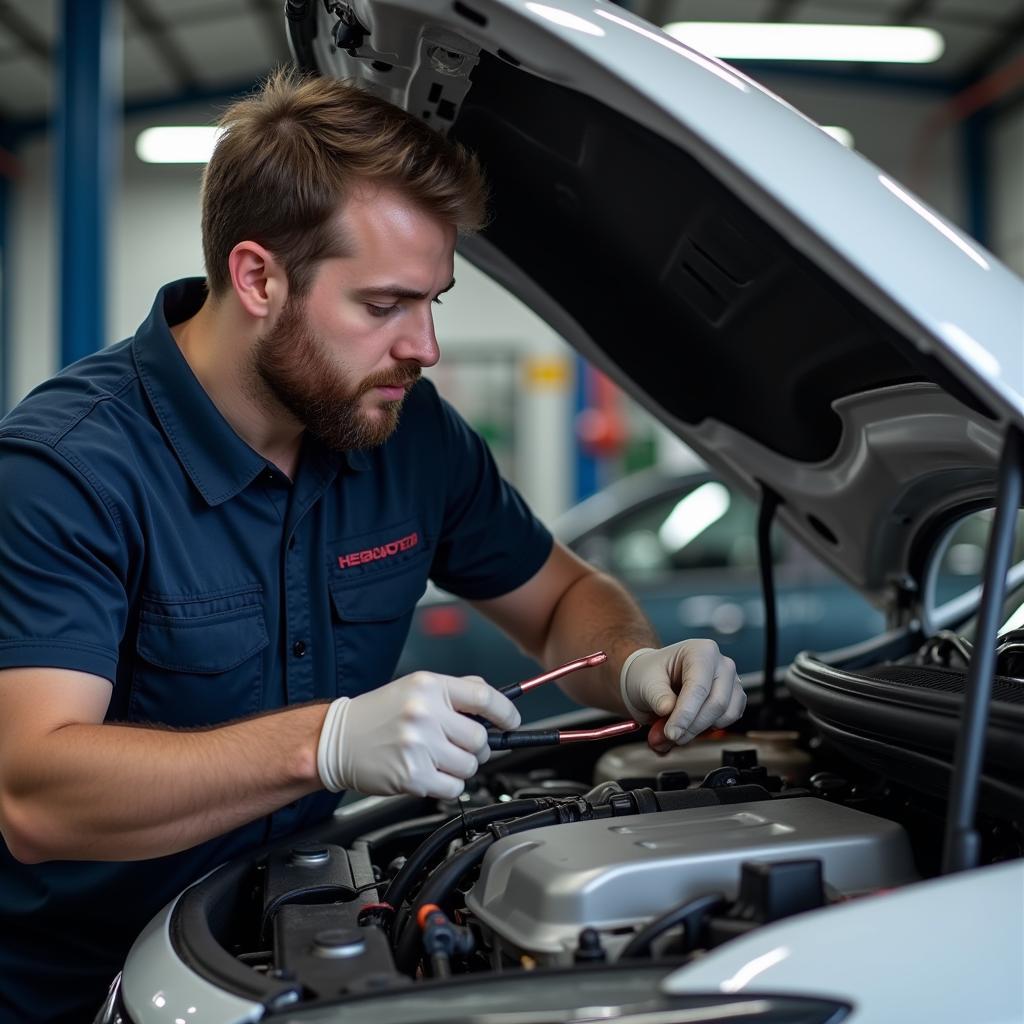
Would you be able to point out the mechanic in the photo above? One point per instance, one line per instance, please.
(213, 535)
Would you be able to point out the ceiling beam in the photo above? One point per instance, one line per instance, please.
(1010, 35)
(157, 33)
(25, 32)
(781, 10)
(914, 10)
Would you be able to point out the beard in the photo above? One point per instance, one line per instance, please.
(291, 364)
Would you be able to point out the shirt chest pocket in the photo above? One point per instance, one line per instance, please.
(197, 661)
(370, 621)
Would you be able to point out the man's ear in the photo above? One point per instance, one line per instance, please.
(258, 279)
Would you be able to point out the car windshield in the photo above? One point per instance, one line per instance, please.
(703, 525)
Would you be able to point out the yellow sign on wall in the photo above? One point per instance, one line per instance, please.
(546, 372)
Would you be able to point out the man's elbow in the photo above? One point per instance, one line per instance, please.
(23, 839)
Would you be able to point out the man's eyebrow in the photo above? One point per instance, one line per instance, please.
(400, 291)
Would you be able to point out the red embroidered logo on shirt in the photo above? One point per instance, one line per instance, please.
(393, 547)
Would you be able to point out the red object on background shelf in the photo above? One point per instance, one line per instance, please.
(10, 167)
(601, 426)
(444, 620)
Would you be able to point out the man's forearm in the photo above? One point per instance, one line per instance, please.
(117, 792)
(596, 614)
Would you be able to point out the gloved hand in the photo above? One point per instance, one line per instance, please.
(691, 682)
(411, 736)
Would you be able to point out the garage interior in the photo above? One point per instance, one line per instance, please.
(951, 129)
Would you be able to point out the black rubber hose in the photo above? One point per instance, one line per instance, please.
(688, 914)
(443, 879)
(400, 885)
(448, 874)
(440, 883)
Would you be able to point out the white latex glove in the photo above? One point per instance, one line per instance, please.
(691, 682)
(411, 736)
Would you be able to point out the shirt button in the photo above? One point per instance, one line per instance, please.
(298, 648)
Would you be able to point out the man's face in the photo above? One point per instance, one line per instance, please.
(342, 358)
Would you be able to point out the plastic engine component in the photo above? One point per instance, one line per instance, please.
(776, 751)
(537, 890)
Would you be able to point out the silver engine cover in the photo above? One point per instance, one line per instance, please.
(537, 890)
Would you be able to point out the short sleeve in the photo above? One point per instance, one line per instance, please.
(63, 565)
(490, 542)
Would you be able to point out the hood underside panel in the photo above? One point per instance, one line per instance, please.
(683, 289)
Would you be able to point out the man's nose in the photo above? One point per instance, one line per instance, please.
(418, 340)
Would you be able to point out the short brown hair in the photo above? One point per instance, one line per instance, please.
(289, 156)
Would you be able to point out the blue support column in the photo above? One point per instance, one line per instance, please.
(88, 155)
(977, 177)
(587, 470)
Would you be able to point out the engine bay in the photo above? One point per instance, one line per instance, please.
(561, 860)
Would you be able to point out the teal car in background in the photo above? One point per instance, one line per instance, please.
(685, 546)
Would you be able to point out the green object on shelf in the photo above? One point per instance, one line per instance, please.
(640, 452)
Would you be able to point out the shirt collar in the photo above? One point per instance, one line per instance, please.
(218, 462)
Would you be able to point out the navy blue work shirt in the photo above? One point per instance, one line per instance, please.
(142, 540)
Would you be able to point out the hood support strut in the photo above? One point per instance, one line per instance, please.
(962, 843)
(770, 502)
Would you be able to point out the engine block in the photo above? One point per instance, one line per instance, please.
(538, 890)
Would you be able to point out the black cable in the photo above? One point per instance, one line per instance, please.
(403, 881)
(366, 888)
(447, 875)
(443, 879)
(962, 844)
(689, 914)
(770, 502)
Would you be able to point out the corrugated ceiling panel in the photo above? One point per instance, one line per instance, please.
(225, 52)
(714, 10)
(825, 13)
(41, 14)
(26, 87)
(9, 46)
(999, 11)
(146, 75)
(178, 12)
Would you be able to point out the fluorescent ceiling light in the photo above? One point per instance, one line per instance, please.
(843, 135)
(178, 144)
(737, 40)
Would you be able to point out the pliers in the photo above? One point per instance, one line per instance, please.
(514, 738)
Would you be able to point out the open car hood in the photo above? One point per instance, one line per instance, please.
(790, 311)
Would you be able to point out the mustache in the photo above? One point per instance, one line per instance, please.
(404, 379)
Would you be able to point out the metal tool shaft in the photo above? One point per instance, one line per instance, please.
(602, 733)
(590, 661)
